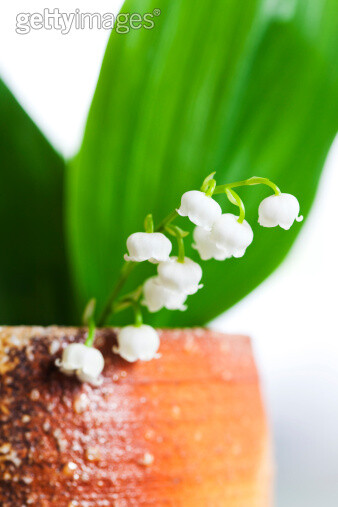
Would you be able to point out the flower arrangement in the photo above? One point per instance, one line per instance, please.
(217, 235)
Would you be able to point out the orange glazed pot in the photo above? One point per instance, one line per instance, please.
(185, 429)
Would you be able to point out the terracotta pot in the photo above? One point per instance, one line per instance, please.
(186, 429)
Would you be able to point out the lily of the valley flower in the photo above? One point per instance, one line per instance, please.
(201, 209)
(282, 210)
(157, 296)
(206, 247)
(148, 246)
(178, 276)
(232, 236)
(85, 362)
(137, 343)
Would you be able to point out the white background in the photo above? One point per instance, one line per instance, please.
(292, 317)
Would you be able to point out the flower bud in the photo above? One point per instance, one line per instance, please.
(148, 246)
(206, 247)
(282, 210)
(180, 276)
(157, 296)
(232, 236)
(201, 209)
(137, 343)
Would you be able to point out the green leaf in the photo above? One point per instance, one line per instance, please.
(243, 90)
(34, 280)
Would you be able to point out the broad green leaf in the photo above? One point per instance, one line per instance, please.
(34, 287)
(241, 89)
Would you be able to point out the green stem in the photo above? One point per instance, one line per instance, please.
(256, 180)
(127, 300)
(237, 201)
(126, 269)
(206, 183)
(91, 333)
(181, 251)
(170, 218)
(211, 188)
(121, 305)
(179, 235)
(137, 313)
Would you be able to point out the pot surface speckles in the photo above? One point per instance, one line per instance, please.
(185, 429)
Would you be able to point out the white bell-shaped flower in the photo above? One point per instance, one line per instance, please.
(201, 209)
(137, 343)
(232, 236)
(206, 247)
(180, 276)
(92, 367)
(157, 296)
(282, 210)
(72, 358)
(148, 246)
(86, 362)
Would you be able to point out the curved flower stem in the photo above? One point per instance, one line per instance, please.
(211, 187)
(179, 234)
(206, 183)
(255, 180)
(237, 201)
